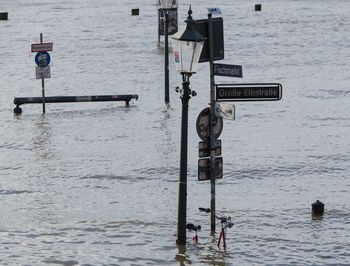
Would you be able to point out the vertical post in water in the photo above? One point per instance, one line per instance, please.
(212, 124)
(42, 81)
(166, 61)
(182, 211)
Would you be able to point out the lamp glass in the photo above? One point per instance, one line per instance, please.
(186, 54)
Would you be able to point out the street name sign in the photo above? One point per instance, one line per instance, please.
(41, 47)
(234, 71)
(248, 92)
(204, 168)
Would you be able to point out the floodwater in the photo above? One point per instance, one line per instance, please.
(97, 183)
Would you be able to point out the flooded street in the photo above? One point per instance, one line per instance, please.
(97, 183)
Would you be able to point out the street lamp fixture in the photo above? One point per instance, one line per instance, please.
(187, 47)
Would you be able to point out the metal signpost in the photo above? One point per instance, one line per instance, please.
(209, 126)
(42, 59)
(213, 119)
(209, 122)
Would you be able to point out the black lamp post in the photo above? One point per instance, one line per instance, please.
(166, 5)
(187, 47)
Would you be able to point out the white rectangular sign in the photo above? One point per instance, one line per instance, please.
(226, 111)
(43, 72)
(41, 47)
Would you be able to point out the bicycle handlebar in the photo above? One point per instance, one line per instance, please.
(204, 209)
(193, 227)
(222, 218)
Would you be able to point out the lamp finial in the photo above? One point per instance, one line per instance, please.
(189, 12)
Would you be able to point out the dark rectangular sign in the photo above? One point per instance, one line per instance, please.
(248, 92)
(204, 149)
(172, 14)
(234, 71)
(204, 168)
(218, 38)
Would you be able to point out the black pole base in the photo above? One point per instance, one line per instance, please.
(17, 110)
(181, 241)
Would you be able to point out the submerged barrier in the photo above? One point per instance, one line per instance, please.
(69, 99)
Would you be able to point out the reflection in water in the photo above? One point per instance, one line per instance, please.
(167, 136)
(42, 139)
(316, 217)
(217, 255)
(182, 257)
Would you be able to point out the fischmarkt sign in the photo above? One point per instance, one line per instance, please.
(234, 71)
(248, 92)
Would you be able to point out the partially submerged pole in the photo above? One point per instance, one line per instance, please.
(212, 123)
(317, 208)
(166, 52)
(182, 211)
(42, 81)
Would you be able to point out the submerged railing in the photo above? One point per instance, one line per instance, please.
(69, 99)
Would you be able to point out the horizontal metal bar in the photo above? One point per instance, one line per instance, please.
(67, 99)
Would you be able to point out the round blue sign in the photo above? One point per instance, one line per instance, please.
(42, 59)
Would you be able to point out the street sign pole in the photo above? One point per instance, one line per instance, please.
(212, 122)
(42, 81)
(166, 52)
(42, 59)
